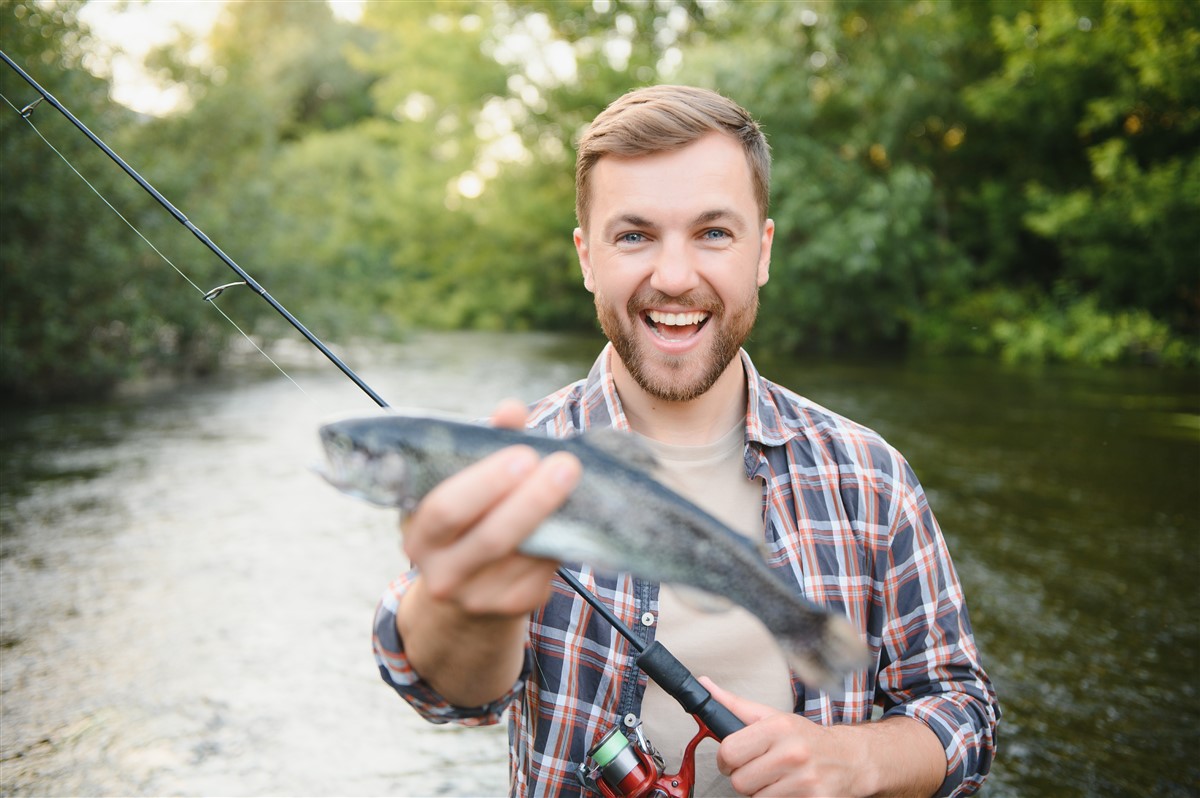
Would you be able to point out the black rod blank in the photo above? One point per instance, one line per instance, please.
(199, 234)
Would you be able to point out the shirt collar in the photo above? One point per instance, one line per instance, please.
(764, 421)
(601, 404)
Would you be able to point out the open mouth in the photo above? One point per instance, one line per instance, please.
(675, 326)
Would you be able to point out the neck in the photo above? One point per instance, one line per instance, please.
(695, 422)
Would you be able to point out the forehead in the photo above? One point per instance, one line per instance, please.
(711, 172)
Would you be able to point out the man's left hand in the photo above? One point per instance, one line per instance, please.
(782, 754)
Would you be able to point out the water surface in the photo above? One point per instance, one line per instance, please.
(186, 608)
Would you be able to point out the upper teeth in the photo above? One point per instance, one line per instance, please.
(676, 319)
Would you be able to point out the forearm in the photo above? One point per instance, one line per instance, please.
(469, 660)
(895, 756)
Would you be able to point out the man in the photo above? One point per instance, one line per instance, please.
(674, 242)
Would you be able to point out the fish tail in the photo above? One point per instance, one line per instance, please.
(824, 659)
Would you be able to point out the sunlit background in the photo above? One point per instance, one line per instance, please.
(127, 32)
(986, 249)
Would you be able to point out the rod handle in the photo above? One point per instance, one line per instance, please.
(679, 683)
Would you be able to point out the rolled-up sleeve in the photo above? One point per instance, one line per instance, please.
(398, 672)
(932, 667)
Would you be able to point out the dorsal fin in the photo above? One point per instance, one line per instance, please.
(624, 446)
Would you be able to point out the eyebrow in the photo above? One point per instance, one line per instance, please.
(718, 214)
(628, 220)
(641, 222)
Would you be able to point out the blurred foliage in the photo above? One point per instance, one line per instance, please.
(1099, 103)
(1018, 180)
(83, 302)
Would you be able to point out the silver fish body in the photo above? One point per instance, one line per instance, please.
(618, 519)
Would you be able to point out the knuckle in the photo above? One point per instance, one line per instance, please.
(438, 587)
(435, 513)
(474, 604)
(491, 542)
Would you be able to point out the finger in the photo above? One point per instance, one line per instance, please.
(746, 710)
(510, 586)
(744, 745)
(460, 500)
(498, 533)
(510, 413)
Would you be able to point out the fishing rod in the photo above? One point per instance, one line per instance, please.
(617, 766)
(246, 279)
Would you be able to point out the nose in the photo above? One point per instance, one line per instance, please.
(676, 270)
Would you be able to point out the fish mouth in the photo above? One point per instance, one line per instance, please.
(376, 477)
(330, 475)
(675, 326)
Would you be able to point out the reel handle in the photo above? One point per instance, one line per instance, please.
(678, 682)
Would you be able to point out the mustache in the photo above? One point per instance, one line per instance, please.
(692, 300)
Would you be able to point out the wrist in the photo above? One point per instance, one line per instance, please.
(897, 756)
(855, 743)
(470, 660)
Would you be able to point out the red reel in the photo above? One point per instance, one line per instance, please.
(622, 769)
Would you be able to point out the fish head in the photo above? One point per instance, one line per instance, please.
(359, 462)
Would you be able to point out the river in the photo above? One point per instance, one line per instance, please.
(186, 608)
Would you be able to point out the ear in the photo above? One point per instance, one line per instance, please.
(585, 260)
(764, 252)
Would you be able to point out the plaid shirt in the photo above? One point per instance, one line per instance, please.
(845, 521)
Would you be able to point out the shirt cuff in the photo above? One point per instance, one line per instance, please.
(966, 737)
(398, 672)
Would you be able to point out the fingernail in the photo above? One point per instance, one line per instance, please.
(521, 461)
(565, 471)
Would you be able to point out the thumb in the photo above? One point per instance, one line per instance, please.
(746, 710)
(510, 413)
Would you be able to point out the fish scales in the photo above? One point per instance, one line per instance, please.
(618, 519)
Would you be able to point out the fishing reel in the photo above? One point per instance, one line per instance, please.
(623, 769)
(617, 767)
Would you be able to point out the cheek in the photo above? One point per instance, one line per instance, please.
(614, 284)
(737, 291)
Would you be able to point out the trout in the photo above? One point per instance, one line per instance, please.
(619, 518)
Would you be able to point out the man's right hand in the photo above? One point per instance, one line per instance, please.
(464, 620)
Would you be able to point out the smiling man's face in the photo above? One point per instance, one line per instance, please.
(675, 253)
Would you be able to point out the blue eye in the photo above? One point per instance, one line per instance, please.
(715, 234)
(630, 238)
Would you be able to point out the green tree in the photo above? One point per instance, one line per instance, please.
(83, 301)
(1010, 177)
(279, 73)
(847, 94)
(950, 175)
(378, 225)
(1103, 102)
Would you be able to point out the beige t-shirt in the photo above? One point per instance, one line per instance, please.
(730, 646)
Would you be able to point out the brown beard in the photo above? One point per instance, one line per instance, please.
(730, 331)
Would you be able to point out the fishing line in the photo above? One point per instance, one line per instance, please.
(25, 114)
(249, 281)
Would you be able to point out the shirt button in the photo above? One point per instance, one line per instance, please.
(647, 619)
(630, 720)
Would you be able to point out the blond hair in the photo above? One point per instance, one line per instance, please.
(660, 118)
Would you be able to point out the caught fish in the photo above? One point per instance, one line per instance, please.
(618, 519)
